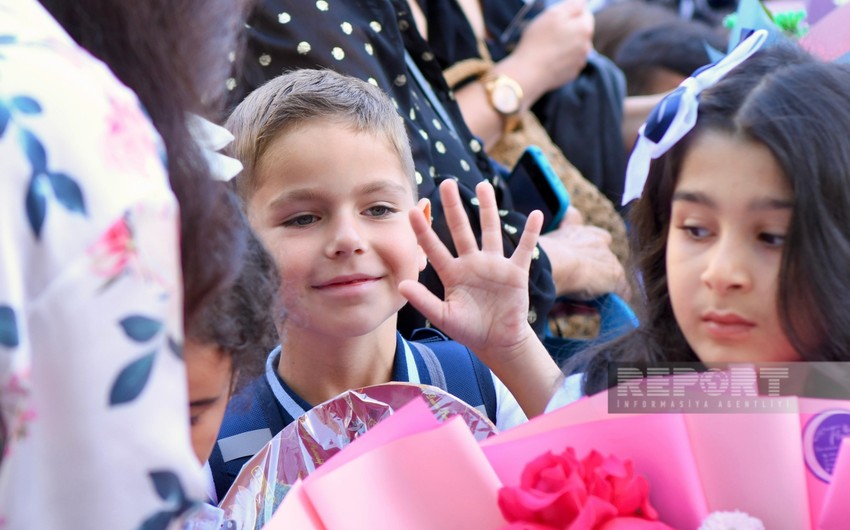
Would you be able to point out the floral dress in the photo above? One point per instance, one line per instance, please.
(92, 383)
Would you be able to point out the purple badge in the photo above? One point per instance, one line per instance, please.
(822, 440)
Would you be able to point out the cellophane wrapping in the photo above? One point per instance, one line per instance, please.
(323, 431)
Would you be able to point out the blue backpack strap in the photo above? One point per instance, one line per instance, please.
(465, 376)
(251, 420)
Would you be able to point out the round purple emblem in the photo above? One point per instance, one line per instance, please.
(822, 441)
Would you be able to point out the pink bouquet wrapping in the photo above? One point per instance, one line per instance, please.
(583, 468)
(300, 448)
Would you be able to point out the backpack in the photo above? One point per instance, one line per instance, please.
(453, 367)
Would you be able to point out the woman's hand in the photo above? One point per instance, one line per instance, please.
(583, 266)
(553, 49)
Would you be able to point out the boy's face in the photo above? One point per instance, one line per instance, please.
(332, 208)
(731, 210)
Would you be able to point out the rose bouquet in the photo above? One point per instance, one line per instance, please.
(581, 467)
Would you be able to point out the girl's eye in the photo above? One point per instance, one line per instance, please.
(193, 420)
(380, 211)
(696, 232)
(301, 220)
(772, 240)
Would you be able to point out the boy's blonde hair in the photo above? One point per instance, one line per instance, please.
(304, 95)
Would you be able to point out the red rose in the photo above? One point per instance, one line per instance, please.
(562, 492)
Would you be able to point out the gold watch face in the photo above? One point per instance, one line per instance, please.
(504, 97)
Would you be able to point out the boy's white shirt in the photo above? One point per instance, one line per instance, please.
(508, 412)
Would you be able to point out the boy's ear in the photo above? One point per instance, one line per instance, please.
(424, 205)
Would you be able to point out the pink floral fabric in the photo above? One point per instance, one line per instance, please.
(92, 386)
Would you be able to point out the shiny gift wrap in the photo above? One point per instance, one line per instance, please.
(323, 431)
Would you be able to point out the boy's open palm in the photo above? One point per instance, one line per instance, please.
(486, 300)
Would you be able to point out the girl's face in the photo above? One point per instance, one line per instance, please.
(730, 212)
(210, 372)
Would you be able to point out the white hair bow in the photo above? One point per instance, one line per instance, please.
(676, 114)
(212, 138)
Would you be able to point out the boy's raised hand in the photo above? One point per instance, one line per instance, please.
(486, 295)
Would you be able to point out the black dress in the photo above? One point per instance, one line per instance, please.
(584, 117)
(368, 39)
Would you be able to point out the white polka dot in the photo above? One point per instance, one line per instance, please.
(423, 134)
(395, 103)
(303, 47)
(440, 147)
(474, 201)
(265, 59)
(428, 56)
(372, 81)
(412, 114)
(403, 25)
(376, 26)
(322, 5)
(475, 145)
(464, 164)
(231, 56)
(231, 83)
(338, 53)
(503, 213)
(437, 124)
(532, 316)
(346, 28)
(400, 80)
(284, 18)
(419, 178)
(369, 49)
(535, 254)
(432, 171)
(510, 229)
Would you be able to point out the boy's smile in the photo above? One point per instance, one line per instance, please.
(348, 284)
(332, 207)
(730, 213)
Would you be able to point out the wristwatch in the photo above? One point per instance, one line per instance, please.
(505, 96)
